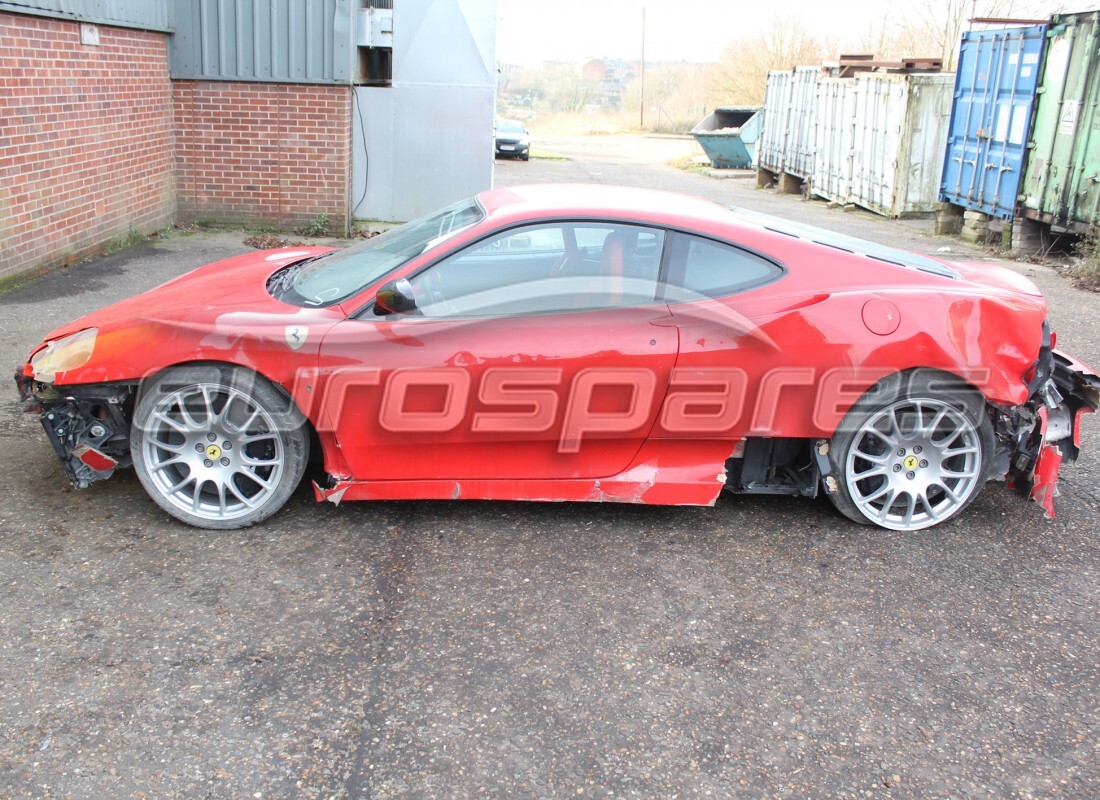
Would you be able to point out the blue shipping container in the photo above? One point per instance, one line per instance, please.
(995, 85)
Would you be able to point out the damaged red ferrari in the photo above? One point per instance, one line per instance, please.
(571, 343)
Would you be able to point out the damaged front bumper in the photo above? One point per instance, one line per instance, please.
(1038, 437)
(88, 426)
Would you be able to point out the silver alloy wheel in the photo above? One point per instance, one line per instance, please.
(913, 464)
(212, 451)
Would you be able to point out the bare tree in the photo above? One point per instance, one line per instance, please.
(933, 27)
(740, 75)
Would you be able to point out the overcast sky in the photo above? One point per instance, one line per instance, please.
(530, 31)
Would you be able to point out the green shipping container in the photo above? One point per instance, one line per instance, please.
(1062, 182)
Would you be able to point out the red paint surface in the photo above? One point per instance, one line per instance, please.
(784, 341)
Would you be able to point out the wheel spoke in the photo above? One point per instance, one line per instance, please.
(873, 472)
(252, 476)
(238, 494)
(948, 491)
(221, 417)
(171, 422)
(166, 464)
(947, 473)
(961, 451)
(910, 508)
(874, 459)
(892, 497)
(947, 441)
(252, 461)
(870, 498)
(170, 446)
(928, 507)
(188, 419)
(930, 431)
(247, 424)
(175, 487)
(208, 403)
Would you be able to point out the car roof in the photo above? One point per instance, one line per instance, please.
(564, 199)
(537, 201)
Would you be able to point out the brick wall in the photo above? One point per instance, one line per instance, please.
(268, 153)
(86, 142)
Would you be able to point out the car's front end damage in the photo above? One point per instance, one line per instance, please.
(88, 426)
(1037, 437)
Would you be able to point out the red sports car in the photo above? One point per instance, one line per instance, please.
(571, 343)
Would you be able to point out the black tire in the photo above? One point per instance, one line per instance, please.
(217, 447)
(923, 468)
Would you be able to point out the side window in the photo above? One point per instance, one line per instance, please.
(703, 267)
(544, 269)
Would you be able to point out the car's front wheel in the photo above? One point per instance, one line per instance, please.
(913, 452)
(217, 447)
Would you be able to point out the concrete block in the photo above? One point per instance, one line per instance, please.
(790, 184)
(949, 218)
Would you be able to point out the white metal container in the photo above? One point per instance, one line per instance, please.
(777, 106)
(899, 137)
(834, 127)
(800, 124)
(787, 141)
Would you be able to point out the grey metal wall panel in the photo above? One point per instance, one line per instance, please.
(154, 15)
(419, 148)
(427, 140)
(289, 41)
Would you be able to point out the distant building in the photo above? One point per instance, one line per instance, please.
(608, 79)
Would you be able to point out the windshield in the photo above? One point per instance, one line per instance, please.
(505, 126)
(336, 277)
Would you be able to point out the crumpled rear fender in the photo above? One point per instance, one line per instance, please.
(1038, 436)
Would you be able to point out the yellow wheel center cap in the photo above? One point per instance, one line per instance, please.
(910, 463)
(213, 452)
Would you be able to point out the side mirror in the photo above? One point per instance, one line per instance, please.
(395, 297)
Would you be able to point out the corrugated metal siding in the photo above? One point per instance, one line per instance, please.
(1062, 182)
(787, 141)
(153, 15)
(994, 97)
(800, 134)
(899, 137)
(836, 117)
(290, 41)
(777, 110)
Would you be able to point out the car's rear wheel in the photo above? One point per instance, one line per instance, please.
(217, 447)
(913, 452)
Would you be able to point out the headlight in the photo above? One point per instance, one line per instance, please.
(63, 354)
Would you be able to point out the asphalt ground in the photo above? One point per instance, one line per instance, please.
(763, 648)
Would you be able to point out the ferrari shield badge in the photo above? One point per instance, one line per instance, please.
(296, 335)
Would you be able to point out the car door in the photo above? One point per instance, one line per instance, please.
(731, 373)
(539, 352)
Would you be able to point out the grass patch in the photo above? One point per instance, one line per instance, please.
(546, 155)
(689, 164)
(1085, 272)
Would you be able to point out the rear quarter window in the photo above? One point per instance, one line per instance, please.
(704, 267)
